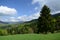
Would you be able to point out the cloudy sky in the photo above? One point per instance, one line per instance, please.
(25, 10)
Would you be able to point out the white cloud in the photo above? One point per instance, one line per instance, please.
(21, 18)
(54, 5)
(56, 12)
(34, 16)
(4, 10)
(4, 19)
(13, 19)
(28, 18)
(41, 2)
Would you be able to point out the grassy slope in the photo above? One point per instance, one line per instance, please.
(55, 36)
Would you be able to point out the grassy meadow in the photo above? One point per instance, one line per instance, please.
(55, 36)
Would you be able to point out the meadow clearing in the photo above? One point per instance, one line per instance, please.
(54, 36)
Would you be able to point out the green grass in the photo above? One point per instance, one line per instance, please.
(55, 36)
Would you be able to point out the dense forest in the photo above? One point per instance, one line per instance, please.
(46, 23)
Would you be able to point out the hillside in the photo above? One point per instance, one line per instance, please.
(56, 15)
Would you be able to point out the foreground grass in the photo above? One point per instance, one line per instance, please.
(55, 36)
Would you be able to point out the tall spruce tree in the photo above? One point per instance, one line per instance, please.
(44, 21)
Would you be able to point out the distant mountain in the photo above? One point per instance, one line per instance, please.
(16, 22)
(31, 21)
(56, 15)
(1, 22)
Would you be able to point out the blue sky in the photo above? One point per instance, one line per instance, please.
(25, 10)
(22, 6)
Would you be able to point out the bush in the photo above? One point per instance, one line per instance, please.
(26, 30)
(3, 32)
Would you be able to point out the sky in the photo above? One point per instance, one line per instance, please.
(25, 10)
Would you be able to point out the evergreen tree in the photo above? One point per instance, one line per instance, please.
(58, 23)
(44, 21)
